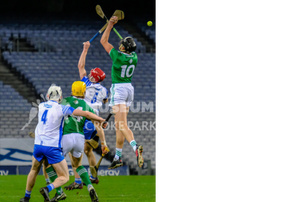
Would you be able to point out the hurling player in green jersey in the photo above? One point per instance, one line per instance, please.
(122, 92)
(73, 138)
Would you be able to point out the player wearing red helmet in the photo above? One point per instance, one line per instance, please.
(95, 95)
(96, 75)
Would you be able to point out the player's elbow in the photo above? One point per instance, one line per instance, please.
(103, 41)
(78, 112)
(80, 66)
(86, 114)
(89, 115)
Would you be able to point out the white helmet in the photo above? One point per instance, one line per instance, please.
(54, 93)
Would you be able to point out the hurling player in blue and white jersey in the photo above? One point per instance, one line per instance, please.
(95, 95)
(47, 146)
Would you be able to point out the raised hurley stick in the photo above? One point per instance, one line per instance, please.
(118, 13)
(99, 32)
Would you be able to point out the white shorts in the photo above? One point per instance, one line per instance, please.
(74, 143)
(121, 93)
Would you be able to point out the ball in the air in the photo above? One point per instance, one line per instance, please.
(149, 23)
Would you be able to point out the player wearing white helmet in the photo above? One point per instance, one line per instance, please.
(47, 144)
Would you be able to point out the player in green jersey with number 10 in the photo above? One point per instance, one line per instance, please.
(124, 63)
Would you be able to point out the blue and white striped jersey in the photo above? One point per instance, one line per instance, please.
(48, 131)
(95, 93)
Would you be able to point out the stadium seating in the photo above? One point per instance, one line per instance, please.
(44, 69)
(60, 45)
(14, 112)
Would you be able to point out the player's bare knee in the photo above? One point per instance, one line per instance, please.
(65, 179)
(88, 152)
(121, 125)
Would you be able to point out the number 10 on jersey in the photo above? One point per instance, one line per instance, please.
(126, 70)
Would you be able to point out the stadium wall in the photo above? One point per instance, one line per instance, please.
(16, 157)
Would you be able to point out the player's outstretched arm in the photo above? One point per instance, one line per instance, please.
(104, 39)
(81, 62)
(89, 115)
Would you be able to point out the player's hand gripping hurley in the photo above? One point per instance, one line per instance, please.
(95, 168)
(118, 13)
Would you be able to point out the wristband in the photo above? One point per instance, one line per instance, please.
(103, 143)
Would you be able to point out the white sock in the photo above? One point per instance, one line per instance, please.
(89, 185)
(133, 144)
(118, 153)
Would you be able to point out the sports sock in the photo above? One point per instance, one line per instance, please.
(50, 187)
(47, 180)
(78, 180)
(52, 175)
(27, 194)
(133, 144)
(90, 185)
(84, 175)
(118, 153)
(92, 177)
(59, 190)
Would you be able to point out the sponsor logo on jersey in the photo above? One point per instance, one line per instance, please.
(47, 106)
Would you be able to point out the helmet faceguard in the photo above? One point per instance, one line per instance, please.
(54, 93)
(96, 75)
(128, 43)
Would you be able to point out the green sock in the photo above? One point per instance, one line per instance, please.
(52, 175)
(84, 175)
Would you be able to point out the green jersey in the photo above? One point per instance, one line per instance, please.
(75, 124)
(123, 66)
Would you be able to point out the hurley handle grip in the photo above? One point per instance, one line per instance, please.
(107, 118)
(117, 33)
(92, 39)
(99, 32)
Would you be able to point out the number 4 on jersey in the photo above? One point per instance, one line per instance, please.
(44, 117)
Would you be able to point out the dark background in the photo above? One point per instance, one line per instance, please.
(76, 8)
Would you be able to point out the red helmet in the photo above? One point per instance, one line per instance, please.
(97, 74)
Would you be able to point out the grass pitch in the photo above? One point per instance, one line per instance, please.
(110, 188)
